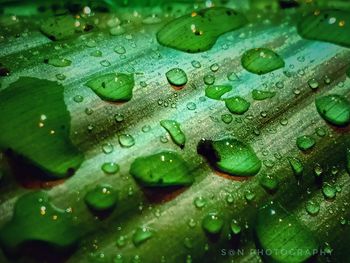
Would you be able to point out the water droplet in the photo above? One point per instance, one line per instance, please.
(60, 76)
(107, 148)
(235, 227)
(78, 98)
(146, 128)
(174, 129)
(89, 111)
(232, 76)
(226, 118)
(126, 140)
(161, 169)
(120, 50)
(105, 63)
(209, 79)
(176, 77)
(199, 31)
(119, 117)
(196, 64)
(102, 198)
(279, 84)
(141, 235)
(214, 67)
(329, 191)
(58, 62)
(313, 83)
(262, 94)
(277, 231)
(321, 132)
(191, 106)
(269, 183)
(117, 30)
(113, 87)
(296, 165)
(237, 105)
(96, 53)
(212, 223)
(200, 202)
(312, 207)
(335, 109)
(110, 168)
(305, 142)
(249, 195)
(261, 61)
(217, 91)
(230, 156)
(321, 26)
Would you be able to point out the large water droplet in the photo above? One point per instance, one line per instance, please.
(279, 234)
(141, 235)
(237, 105)
(261, 61)
(305, 142)
(199, 31)
(262, 94)
(110, 167)
(334, 108)
(161, 169)
(212, 223)
(126, 140)
(176, 77)
(230, 156)
(113, 87)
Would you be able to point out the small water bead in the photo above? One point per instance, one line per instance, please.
(313, 83)
(209, 79)
(249, 195)
(191, 106)
(89, 111)
(312, 207)
(192, 223)
(305, 142)
(212, 223)
(229, 198)
(141, 235)
(235, 227)
(296, 165)
(163, 139)
(329, 191)
(232, 76)
(78, 98)
(280, 84)
(321, 132)
(214, 67)
(176, 77)
(118, 259)
(105, 63)
(96, 53)
(119, 117)
(226, 118)
(284, 122)
(107, 148)
(327, 80)
(117, 31)
(120, 50)
(102, 198)
(91, 43)
(146, 128)
(196, 64)
(263, 114)
(188, 243)
(199, 202)
(110, 168)
(126, 140)
(61, 76)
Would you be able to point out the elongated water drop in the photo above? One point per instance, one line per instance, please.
(161, 169)
(113, 87)
(279, 234)
(237, 105)
(216, 92)
(58, 62)
(334, 108)
(296, 165)
(230, 156)
(261, 61)
(199, 31)
(174, 129)
(305, 142)
(262, 94)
